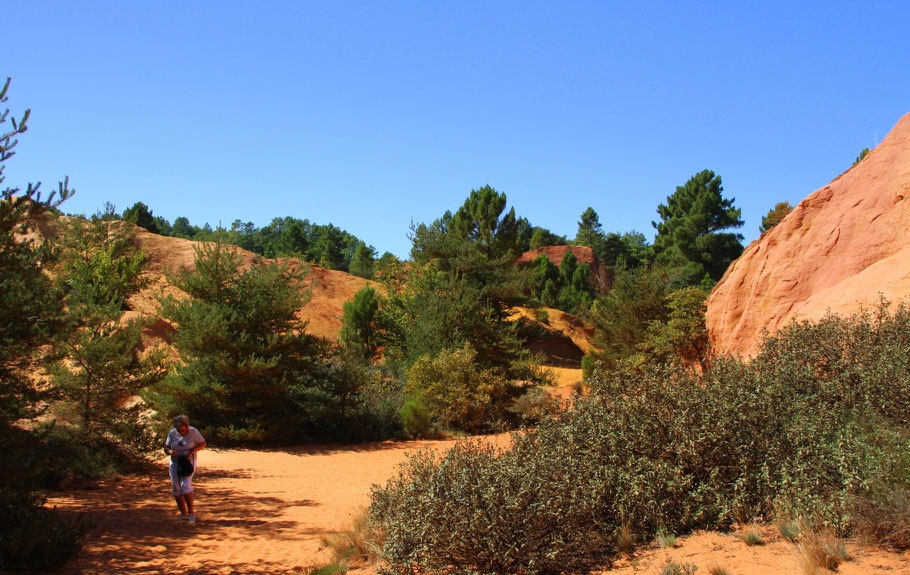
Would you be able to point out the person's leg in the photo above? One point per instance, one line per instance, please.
(189, 502)
(177, 491)
(188, 496)
(182, 503)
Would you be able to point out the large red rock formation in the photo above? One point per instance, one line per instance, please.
(838, 250)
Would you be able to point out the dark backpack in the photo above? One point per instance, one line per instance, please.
(184, 466)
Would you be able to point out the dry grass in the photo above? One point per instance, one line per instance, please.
(666, 540)
(820, 550)
(624, 540)
(788, 529)
(885, 518)
(358, 544)
(715, 569)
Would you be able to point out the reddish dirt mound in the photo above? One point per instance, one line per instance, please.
(839, 249)
(555, 254)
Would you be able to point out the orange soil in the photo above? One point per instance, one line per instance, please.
(264, 512)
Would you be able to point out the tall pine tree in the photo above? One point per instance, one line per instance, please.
(691, 237)
(242, 345)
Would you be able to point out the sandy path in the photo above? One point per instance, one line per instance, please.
(260, 512)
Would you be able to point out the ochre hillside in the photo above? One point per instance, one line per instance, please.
(324, 311)
(837, 250)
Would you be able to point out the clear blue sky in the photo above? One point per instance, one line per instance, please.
(370, 115)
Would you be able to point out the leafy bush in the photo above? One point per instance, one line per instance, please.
(813, 420)
(459, 393)
(33, 537)
(416, 419)
(476, 509)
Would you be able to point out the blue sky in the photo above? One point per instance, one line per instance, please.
(371, 115)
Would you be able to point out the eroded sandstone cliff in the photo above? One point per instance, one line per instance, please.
(838, 250)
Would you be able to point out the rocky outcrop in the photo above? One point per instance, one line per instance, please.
(583, 254)
(838, 250)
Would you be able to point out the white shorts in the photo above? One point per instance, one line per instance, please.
(180, 485)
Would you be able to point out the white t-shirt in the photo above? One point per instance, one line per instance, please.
(181, 444)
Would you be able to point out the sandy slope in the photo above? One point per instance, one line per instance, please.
(263, 512)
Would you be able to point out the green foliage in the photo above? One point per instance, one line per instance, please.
(690, 234)
(474, 509)
(99, 264)
(621, 318)
(665, 540)
(458, 289)
(682, 336)
(459, 393)
(325, 245)
(386, 264)
(862, 156)
(788, 529)
(416, 418)
(587, 365)
(751, 538)
(807, 422)
(590, 232)
(774, 216)
(611, 249)
(358, 327)
(183, 229)
(241, 344)
(362, 261)
(141, 215)
(567, 287)
(672, 567)
(883, 514)
(103, 369)
(34, 538)
(542, 237)
(480, 220)
(31, 536)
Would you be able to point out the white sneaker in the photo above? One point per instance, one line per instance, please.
(191, 518)
(181, 517)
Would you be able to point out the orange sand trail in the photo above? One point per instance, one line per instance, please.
(260, 512)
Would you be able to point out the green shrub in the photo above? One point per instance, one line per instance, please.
(751, 538)
(812, 421)
(416, 419)
(475, 509)
(459, 393)
(535, 404)
(587, 366)
(884, 515)
(33, 537)
(665, 540)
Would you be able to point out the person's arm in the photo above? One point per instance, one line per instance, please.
(168, 450)
(198, 447)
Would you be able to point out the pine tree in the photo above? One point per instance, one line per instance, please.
(241, 343)
(141, 215)
(362, 262)
(31, 536)
(690, 234)
(103, 366)
(358, 328)
(775, 216)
